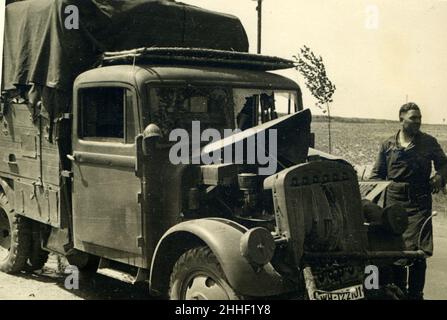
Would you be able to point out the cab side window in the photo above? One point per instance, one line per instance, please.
(106, 114)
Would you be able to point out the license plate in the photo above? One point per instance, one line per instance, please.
(350, 293)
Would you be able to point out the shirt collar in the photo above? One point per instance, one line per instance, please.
(412, 143)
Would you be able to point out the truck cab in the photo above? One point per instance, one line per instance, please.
(114, 104)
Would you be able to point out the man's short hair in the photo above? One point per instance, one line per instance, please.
(407, 107)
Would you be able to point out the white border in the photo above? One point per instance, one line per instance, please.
(2, 33)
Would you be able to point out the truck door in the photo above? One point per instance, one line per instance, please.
(106, 213)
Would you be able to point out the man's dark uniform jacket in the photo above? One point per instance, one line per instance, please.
(410, 169)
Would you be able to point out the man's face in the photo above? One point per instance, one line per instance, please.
(411, 121)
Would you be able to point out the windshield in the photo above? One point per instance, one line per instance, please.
(216, 107)
(253, 106)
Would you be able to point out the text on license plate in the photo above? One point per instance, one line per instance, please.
(350, 293)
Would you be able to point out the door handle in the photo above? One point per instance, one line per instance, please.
(12, 161)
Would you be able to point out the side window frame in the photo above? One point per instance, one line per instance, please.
(130, 118)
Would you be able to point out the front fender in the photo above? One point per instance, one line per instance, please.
(223, 238)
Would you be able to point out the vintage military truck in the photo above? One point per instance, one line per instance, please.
(86, 167)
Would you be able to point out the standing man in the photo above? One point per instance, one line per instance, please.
(406, 159)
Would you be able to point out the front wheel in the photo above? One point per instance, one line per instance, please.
(197, 275)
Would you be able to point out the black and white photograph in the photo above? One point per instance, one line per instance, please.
(227, 150)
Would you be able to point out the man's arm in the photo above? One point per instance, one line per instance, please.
(379, 171)
(440, 162)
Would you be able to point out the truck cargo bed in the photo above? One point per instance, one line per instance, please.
(32, 161)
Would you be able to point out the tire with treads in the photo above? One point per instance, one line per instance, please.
(197, 275)
(15, 238)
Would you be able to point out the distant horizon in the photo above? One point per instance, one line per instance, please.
(324, 117)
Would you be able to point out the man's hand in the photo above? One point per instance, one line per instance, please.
(436, 183)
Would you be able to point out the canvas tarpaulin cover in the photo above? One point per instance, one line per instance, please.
(40, 50)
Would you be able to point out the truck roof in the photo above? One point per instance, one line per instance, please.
(197, 57)
(187, 74)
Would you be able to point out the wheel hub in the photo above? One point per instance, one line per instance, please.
(203, 287)
(5, 235)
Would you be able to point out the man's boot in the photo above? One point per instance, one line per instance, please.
(400, 277)
(416, 280)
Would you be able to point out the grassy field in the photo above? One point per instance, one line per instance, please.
(358, 142)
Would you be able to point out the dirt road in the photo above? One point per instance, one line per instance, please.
(50, 285)
(436, 285)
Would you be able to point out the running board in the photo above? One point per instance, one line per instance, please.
(104, 269)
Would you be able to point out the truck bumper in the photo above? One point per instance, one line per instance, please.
(418, 254)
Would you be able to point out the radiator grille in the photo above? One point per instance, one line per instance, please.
(318, 208)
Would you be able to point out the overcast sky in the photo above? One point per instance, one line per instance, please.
(374, 64)
(376, 51)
